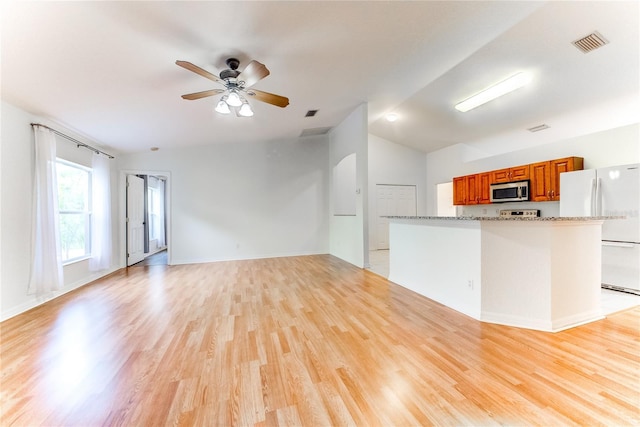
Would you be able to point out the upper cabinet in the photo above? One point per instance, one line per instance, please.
(460, 190)
(471, 189)
(484, 191)
(545, 177)
(544, 181)
(540, 185)
(518, 173)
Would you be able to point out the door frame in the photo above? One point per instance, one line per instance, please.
(136, 219)
(122, 215)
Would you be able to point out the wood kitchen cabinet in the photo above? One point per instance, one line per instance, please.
(484, 191)
(471, 189)
(540, 184)
(460, 190)
(544, 181)
(518, 173)
(545, 177)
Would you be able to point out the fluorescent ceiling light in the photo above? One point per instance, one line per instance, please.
(509, 85)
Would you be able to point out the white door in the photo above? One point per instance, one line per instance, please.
(384, 207)
(392, 200)
(405, 200)
(135, 219)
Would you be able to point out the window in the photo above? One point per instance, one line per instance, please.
(74, 201)
(154, 210)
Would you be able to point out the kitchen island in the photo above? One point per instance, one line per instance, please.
(539, 273)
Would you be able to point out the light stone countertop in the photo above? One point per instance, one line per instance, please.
(511, 218)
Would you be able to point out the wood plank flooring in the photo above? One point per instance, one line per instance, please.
(301, 341)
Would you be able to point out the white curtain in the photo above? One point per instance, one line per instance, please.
(161, 218)
(100, 213)
(46, 267)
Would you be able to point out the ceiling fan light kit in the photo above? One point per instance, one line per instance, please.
(234, 99)
(222, 107)
(236, 83)
(245, 110)
(512, 83)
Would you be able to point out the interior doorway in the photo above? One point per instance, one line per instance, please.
(146, 218)
(444, 203)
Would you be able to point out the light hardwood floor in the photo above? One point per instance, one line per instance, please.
(301, 341)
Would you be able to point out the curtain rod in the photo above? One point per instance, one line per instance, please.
(78, 143)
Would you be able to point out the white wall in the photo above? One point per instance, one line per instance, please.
(16, 185)
(348, 239)
(608, 148)
(243, 200)
(344, 186)
(440, 260)
(391, 163)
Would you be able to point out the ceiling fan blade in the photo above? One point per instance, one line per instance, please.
(269, 98)
(253, 73)
(203, 94)
(204, 73)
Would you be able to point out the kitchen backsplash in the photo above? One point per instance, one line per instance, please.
(547, 209)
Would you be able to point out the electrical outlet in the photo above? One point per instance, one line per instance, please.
(470, 284)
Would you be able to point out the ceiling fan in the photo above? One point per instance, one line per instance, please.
(236, 85)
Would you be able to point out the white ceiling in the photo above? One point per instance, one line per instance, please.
(107, 69)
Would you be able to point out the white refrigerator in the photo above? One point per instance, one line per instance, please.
(609, 191)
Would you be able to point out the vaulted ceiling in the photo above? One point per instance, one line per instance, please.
(107, 69)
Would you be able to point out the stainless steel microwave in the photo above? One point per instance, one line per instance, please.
(509, 191)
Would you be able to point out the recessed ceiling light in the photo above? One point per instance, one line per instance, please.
(504, 87)
(391, 117)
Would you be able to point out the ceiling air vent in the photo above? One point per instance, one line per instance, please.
(538, 128)
(315, 131)
(591, 42)
(311, 113)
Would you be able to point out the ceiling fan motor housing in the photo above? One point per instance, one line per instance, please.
(232, 72)
(229, 74)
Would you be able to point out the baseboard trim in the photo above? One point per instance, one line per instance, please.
(38, 301)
